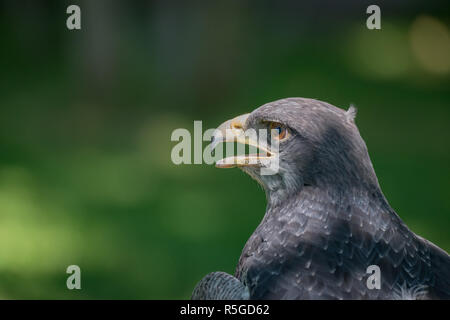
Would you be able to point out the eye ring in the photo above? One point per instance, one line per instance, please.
(281, 131)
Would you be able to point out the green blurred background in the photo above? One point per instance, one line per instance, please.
(86, 118)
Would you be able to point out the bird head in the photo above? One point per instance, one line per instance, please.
(311, 142)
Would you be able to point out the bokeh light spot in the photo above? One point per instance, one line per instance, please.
(430, 43)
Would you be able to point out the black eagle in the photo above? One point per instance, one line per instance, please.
(327, 219)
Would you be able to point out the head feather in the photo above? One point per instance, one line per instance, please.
(351, 113)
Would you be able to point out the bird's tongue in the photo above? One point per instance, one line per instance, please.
(244, 160)
(238, 154)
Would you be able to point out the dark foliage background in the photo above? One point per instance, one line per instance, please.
(86, 118)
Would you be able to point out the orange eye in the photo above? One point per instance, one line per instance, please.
(281, 131)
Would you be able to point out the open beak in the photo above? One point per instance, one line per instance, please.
(233, 131)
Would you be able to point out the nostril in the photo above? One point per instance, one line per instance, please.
(236, 125)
